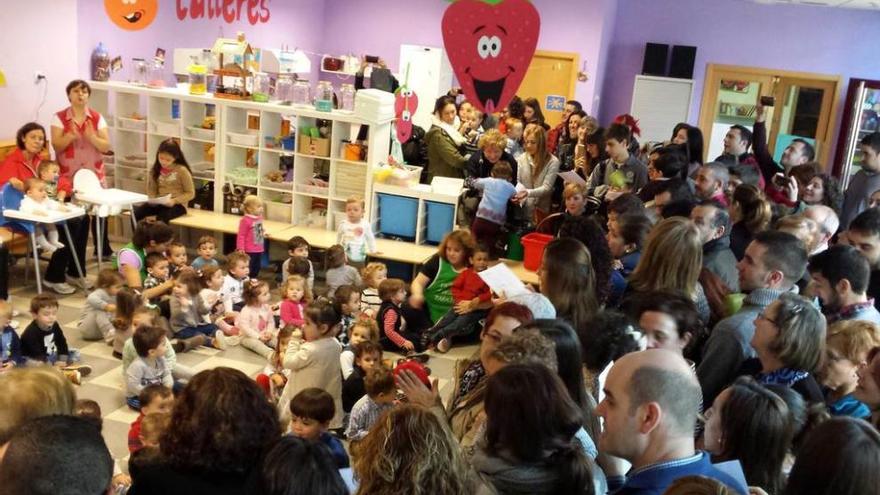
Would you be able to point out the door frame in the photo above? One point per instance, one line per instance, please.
(572, 57)
(710, 95)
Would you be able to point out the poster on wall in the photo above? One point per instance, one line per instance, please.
(131, 15)
(490, 44)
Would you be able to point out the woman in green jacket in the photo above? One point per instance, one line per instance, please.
(444, 142)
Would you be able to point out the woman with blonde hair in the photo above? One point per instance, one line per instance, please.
(30, 393)
(751, 213)
(536, 171)
(492, 146)
(671, 260)
(805, 229)
(409, 451)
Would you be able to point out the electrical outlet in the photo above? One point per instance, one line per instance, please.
(39, 76)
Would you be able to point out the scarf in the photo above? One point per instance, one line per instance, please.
(782, 376)
(450, 131)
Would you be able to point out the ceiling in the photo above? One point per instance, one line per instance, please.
(847, 4)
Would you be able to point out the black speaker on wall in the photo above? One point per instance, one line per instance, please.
(656, 55)
(682, 65)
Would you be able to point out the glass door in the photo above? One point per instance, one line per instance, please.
(865, 120)
(802, 111)
(734, 103)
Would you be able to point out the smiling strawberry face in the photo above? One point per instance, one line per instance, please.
(405, 104)
(490, 47)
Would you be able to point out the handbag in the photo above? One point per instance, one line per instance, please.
(332, 64)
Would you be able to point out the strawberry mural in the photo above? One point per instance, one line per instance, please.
(405, 104)
(490, 44)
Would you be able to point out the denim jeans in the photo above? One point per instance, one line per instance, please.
(453, 324)
(206, 329)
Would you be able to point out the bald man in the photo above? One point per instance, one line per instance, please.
(828, 224)
(650, 411)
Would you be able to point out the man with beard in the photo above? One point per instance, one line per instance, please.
(840, 279)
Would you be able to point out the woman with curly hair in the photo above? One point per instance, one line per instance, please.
(751, 213)
(824, 189)
(409, 451)
(221, 428)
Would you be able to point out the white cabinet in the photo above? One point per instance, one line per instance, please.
(246, 138)
(430, 76)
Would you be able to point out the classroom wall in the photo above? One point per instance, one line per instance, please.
(379, 27)
(297, 23)
(740, 32)
(28, 46)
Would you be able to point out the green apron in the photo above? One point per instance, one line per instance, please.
(140, 254)
(438, 295)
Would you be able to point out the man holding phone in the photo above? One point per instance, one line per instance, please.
(797, 153)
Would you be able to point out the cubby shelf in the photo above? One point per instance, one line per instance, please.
(177, 113)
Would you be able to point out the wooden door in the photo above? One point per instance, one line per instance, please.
(729, 98)
(803, 110)
(805, 106)
(550, 74)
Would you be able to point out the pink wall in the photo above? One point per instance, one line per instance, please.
(36, 35)
(297, 23)
(379, 27)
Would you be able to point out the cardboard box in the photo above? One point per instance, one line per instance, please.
(313, 146)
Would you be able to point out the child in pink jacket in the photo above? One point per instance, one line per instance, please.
(250, 237)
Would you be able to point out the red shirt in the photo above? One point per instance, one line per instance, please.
(134, 435)
(468, 285)
(16, 166)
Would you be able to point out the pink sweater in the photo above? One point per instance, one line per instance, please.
(250, 234)
(252, 321)
(292, 312)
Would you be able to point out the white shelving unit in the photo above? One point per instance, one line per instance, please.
(171, 113)
(424, 195)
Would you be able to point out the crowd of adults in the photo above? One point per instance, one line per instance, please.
(689, 314)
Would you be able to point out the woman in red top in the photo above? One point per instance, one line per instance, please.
(80, 139)
(19, 166)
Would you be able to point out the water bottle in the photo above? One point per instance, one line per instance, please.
(100, 63)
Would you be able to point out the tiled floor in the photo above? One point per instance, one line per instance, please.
(105, 384)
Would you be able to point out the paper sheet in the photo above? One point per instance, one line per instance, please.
(572, 176)
(734, 470)
(161, 200)
(503, 281)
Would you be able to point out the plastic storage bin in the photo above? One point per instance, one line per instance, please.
(533, 245)
(397, 215)
(440, 220)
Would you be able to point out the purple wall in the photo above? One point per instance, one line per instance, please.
(379, 27)
(297, 23)
(25, 37)
(736, 32)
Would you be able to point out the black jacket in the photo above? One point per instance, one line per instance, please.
(480, 168)
(36, 346)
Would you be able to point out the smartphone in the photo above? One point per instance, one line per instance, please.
(768, 101)
(780, 181)
(371, 59)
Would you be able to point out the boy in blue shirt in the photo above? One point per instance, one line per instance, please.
(10, 344)
(492, 211)
(311, 411)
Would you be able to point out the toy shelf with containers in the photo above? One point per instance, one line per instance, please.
(302, 162)
(422, 213)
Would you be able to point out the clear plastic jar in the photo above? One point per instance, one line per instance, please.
(324, 96)
(198, 79)
(302, 93)
(140, 71)
(157, 75)
(284, 88)
(347, 97)
(261, 87)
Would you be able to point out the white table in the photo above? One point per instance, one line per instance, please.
(110, 198)
(52, 217)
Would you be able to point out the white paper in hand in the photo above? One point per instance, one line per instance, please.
(503, 281)
(161, 200)
(572, 176)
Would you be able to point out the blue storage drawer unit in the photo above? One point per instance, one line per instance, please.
(397, 215)
(440, 220)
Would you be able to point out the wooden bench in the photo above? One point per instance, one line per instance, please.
(404, 252)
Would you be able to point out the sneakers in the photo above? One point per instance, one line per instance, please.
(82, 283)
(84, 370)
(178, 346)
(443, 346)
(220, 340)
(117, 355)
(57, 244)
(73, 375)
(60, 287)
(186, 345)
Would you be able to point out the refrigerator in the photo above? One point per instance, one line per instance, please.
(861, 116)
